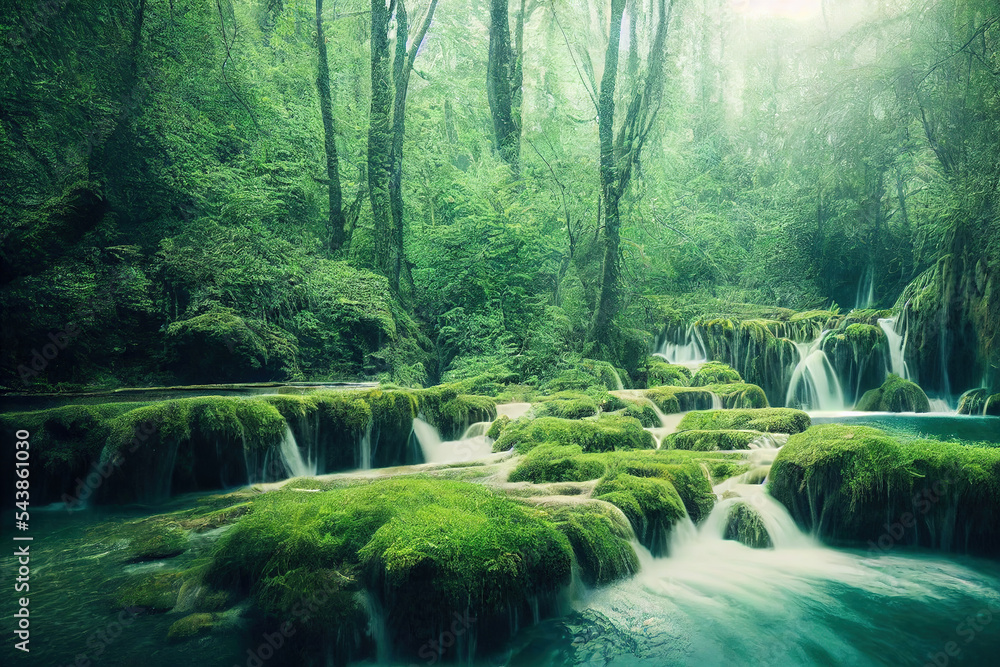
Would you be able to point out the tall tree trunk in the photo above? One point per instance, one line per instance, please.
(337, 220)
(402, 66)
(500, 69)
(380, 141)
(608, 301)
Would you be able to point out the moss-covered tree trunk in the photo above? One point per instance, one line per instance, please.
(608, 301)
(380, 144)
(337, 221)
(402, 66)
(500, 72)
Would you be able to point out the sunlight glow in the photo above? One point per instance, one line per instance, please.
(796, 9)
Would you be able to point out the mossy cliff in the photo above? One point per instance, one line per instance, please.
(858, 485)
(126, 452)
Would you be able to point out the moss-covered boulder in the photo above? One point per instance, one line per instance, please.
(601, 539)
(738, 395)
(895, 395)
(858, 485)
(498, 426)
(979, 402)
(771, 420)
(192, 625)
(608, 433)
(659, 373)
(569, 407)
(671, 400)
(557, 463)
(451, 412)
(583, 374)
(424, 549)
(715, 372)
(746, 526)
(710, 441)
(222, 346)
(652, 506)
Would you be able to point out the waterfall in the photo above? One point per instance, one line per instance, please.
(814, 384)
(896, 347)
(476, 430)
(292, 457)
(865, 296)
(778, 523)
(365, 448)
(690, 351)
(437, 451)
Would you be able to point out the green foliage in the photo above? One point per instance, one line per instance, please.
(660, 373)
(567, 408)
(895, 395)
(652, 506)
(600, 541)
(771, 420)
(557, 463)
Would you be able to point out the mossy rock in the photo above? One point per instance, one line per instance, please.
(608, 433)
(601, 540)
(715, 372)
(710, 441)
(452, 412)
(567, 408)
(895, 395)
(979, 402)
(155, 593)
(222, 345)
(659, 373)
(739, 395)
(858, 485)
(864, 337)
(557, 463)
(770, 420)
(746, 526)
(192, 625)
(498, 426)
(425, 548)
(652, 506)
(671, 400)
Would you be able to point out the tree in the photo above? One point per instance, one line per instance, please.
(503, 84)
(337, 219)
(620, 153)
(386, 129)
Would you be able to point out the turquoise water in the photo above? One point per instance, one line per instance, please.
(938, 426)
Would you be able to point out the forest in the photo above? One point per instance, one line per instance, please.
(520, 332)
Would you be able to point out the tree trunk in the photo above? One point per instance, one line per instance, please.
(500, 71)
(337, 220)
(608, 301)
(380, 141)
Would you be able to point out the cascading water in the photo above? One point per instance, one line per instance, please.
(291, 457)
(814, 384)
(437, 451)
(896, 344)
(865, 296)
(690, 351)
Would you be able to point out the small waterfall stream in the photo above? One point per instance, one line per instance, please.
(691, 350)
(814, 384)
(468, 448)
(896, 346)
(291, 456)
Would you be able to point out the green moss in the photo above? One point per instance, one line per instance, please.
(498, 426)
(846, 482)
(979, 402)
(554, 463)
(715, 373)
(567, 408)
(895, 395)
(651, 504)
(659, 373)
(584, 374)
(608, 433)
(771, 420)
(192, 625)
(426, 548)
(746, 526)
(739, 395)
(864, 336)
(600, 540)
(671, 400)
(156, 593)
(710, 441)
